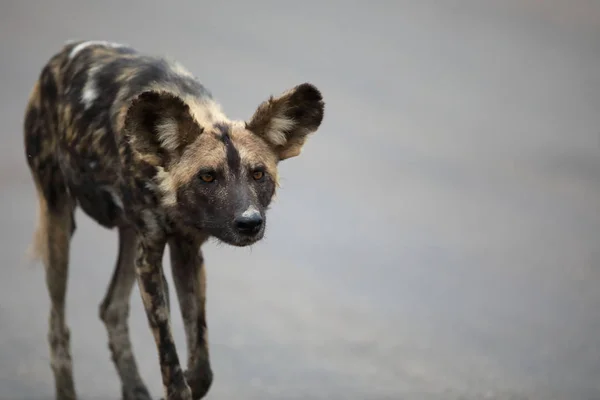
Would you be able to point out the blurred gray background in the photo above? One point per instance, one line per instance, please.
(437, 239)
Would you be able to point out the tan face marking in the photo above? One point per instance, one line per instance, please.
(254, 151)
(208, 152)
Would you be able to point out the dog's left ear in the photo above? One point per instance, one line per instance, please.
(286, 121)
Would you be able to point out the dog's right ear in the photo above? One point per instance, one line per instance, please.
(159, 126)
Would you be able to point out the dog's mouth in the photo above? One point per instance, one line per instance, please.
(237, 240)
(231, 237)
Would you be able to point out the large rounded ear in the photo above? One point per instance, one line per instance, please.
(286, 121)
(159, 126)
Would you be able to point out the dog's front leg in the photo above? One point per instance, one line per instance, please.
(189, 277)
(151, 284)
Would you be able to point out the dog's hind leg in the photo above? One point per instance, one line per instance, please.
(114, 312)
(55, 227)
(56, 222)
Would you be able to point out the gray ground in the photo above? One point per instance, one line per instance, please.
(437, 239)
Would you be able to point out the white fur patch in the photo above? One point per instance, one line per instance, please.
(150, 221)
(115, 197)
(90, 92)
(167, 133)
(277, 129)
(83, 45)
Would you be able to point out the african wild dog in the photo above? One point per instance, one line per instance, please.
(140, 145)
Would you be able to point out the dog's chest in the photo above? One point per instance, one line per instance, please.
(102, 203)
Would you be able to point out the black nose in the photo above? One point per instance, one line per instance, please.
(249, 224)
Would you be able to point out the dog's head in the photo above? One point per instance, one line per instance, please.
(217, 176)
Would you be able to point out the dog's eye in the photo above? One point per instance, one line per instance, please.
(258, 175)
(207, 177)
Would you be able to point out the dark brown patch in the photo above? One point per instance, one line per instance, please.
(234, 161)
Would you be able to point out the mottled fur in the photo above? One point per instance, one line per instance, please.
(141, 146)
